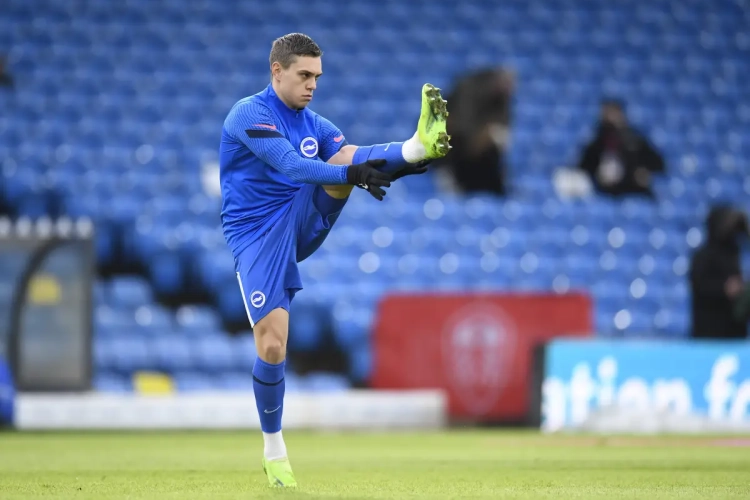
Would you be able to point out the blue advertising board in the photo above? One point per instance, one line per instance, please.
(682, 377)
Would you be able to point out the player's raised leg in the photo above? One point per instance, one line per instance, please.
(345, 156)
(430, 141)
(324, 203)
(431, 129)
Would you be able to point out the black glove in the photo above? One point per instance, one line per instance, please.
(366, 176)
(412, 169)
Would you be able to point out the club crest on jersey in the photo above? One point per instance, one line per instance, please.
(309, 147)
(257, 299)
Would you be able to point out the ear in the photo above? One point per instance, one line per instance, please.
(276, 69)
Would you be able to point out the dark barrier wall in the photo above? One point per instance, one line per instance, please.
(46, 307)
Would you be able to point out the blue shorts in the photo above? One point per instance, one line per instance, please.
(267, 269)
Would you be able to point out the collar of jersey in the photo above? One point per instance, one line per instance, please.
(279, 106)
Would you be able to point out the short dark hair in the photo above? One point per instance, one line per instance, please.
(613, 102)
(287, 48)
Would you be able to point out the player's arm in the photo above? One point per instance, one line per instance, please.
(330, 138)
(256, 127)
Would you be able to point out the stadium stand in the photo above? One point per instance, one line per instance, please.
(116, 106)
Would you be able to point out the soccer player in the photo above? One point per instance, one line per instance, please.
(286, 174)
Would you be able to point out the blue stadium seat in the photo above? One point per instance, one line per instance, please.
(127, 355)
(104, 354)
(107, 319)
(129, 292)
(154, 316)
(166, 273)
(112, 382)
(188, 381)
(243, 348)
(197, 320)
(172, 353)
(360, 363)
(325, 382)
(293, 382)
(307, 326)
(235, 381)
(230, 304)
(352, 326)
(212, 354)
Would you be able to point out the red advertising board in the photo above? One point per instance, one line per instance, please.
(477, 347)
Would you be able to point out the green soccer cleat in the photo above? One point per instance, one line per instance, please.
(431, 127)
(279, 473)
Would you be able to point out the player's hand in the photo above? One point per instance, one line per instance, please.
(366, 176)
(413, 169)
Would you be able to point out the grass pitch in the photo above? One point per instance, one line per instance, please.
(457, 464)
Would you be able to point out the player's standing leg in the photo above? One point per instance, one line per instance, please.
(268, 278)
(268, 385)
(430, 141)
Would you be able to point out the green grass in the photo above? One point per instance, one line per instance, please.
(471, 464)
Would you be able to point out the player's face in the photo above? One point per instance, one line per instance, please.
(613, 115)
(298, 82)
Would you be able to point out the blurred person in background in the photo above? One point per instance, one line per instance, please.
(6, 80)
(620, 160)
(478, 124)
(716, 277)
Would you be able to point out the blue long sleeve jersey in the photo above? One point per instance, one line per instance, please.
(268, 152)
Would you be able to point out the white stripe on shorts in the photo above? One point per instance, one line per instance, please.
(244, 301)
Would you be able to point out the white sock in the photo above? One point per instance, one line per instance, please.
(273, 446)
(413, 151)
